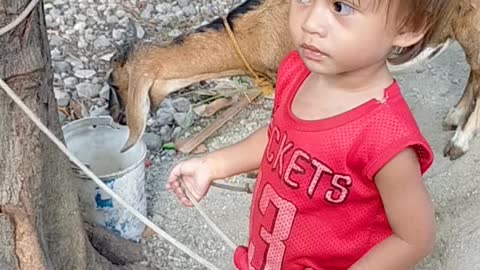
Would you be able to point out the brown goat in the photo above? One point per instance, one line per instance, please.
(145, 73)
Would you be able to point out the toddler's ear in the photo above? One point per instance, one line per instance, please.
(406, 39)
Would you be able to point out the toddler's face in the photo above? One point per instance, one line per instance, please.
(334, 37)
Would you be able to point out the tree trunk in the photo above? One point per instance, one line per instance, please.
(40, 222)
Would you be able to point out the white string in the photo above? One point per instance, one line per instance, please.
(207, 219)
(20, 17)
(99, 182)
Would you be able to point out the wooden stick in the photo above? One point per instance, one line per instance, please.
(196, 140)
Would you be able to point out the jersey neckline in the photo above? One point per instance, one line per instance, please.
(390, 92)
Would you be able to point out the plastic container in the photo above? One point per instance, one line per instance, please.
(97, 141)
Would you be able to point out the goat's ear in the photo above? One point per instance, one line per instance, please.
(122, 54)
(138, 106)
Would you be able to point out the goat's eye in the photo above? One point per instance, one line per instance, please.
(343, 8)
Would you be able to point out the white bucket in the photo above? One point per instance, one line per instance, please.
(97, 141)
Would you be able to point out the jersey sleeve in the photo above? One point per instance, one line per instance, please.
(383, 139)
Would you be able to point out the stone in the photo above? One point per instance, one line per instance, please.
(139, 30)
(177, 132)
(117, 34)
(182, 119)
(147, 11)
(80, 27)
(56, 54)
(164, 116)
(70, 81)
(88, 90)
(63, 98)
(101, 42)
(82, 44)
(112, 19)
(183, 3)
(166, 132)
(99, 111)
(56, 41)
(190, 10)
(105, 92)
(152, 141)
(62, 67)
(181, 104)
(120, 13)
(84, 73)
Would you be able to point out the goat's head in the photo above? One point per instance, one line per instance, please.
(118, 82)
(129, 101)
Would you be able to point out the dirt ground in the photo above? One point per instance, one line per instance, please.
(430, 91)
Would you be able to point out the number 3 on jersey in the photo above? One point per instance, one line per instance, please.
(282, 226)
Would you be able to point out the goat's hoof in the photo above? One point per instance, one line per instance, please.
(447, 127)
(453, 151)
(453, 119)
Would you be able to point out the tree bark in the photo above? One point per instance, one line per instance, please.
(40, 222)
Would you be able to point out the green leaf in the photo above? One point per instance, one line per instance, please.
(169, 146)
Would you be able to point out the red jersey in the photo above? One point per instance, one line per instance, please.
(315, 203)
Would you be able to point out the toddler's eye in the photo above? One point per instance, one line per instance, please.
(342, 8)
(304, 1)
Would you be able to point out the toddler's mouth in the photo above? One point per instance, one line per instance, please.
(312, 52)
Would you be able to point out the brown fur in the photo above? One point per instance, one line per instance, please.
(149, 72)
(464, 116)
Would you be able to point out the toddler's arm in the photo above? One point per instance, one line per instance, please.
(198, 173)
(238, 158)
(409, 212)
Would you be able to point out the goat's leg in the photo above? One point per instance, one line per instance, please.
(466, 131)
(457, 115)
(465, 115)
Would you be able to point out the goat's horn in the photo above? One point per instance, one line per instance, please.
(138, 106)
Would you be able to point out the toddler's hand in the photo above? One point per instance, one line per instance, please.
(196, 175)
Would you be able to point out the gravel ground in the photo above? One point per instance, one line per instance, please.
(82, 36)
